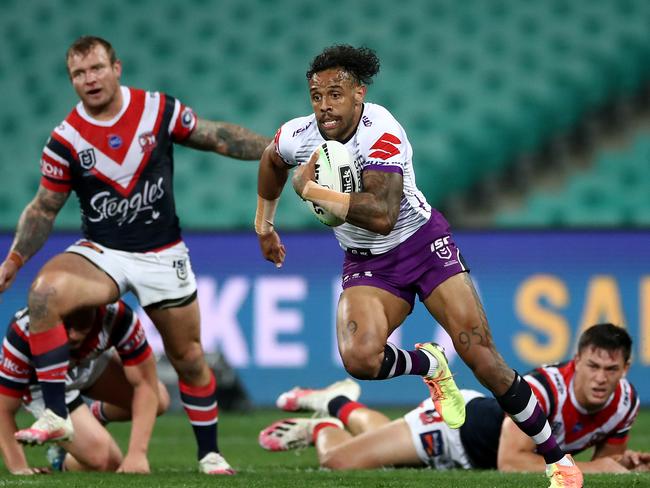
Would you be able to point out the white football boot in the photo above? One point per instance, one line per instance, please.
(316, 400)
(48, 428)
(296, 433)
(214, 463)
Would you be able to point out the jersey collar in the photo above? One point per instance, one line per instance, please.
(126, 99)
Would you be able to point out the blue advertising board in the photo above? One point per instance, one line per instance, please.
(276, 326)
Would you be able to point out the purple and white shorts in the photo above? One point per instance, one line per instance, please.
(416, 266)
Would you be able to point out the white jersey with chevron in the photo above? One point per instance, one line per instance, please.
(378, 144)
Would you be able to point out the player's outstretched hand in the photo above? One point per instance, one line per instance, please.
(8, 271)
(304, 173)
(134, 464)
(272, 248)
(635, 460)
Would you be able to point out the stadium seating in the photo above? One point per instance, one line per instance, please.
(612, 192)
(475, 83)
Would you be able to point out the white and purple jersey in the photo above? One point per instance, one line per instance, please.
(378, 144)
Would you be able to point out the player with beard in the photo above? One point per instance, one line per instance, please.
(115, 151)
(396, 247)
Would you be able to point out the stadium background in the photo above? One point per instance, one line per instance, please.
(529, 122)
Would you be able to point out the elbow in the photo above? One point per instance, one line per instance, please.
(385, 224)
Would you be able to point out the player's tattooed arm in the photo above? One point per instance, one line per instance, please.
(376, 208)
(35, 223)
(228, 139)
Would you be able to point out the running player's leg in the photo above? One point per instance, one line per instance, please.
(457, 307)
(66, 283)
(113, 394)
(366, 316)
(92, 448)
(181, 334)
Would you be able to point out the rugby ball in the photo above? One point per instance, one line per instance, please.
(336, 170)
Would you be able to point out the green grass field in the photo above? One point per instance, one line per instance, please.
(173, 462)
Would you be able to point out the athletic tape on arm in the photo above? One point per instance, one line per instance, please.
(333, 201)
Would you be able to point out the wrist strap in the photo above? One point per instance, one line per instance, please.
(264, 215)
(17, 258)
(331, 200)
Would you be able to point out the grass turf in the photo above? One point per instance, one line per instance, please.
(173, 463)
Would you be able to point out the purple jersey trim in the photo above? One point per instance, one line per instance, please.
(384, 168)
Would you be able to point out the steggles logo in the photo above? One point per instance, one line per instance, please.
(126, 210)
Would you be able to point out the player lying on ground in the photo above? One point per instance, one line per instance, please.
(111, 363)
(587, 400)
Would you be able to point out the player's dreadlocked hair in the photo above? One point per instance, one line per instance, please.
(361, 62)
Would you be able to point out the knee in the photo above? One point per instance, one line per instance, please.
(101, 457)
(362, 364)
(189, 362)
(45, 292)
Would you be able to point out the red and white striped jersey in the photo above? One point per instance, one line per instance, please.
(115, 325)
(121, 169)
(574, 428)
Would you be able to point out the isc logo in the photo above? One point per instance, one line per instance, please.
(441, 247)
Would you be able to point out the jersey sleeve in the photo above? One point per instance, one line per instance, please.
(384, 146)
(15, 365)
(129, 338)
(183, 121)
(284, 147)
(56, 159)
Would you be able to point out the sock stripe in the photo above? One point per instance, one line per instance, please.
(526, 413)
(199, 391)
(198, 417)
(200, 403)
(409, 363)
(521, 404)
(43, 342)
(543, 436)
(396, 355)
(203, 401)
(344, 412)
(323, 425)
(54, 373)
(200, 408)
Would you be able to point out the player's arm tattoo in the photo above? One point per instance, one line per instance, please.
(376, 208)
(480, 333)
(228, 139)
(36, 221)
(352, 327)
